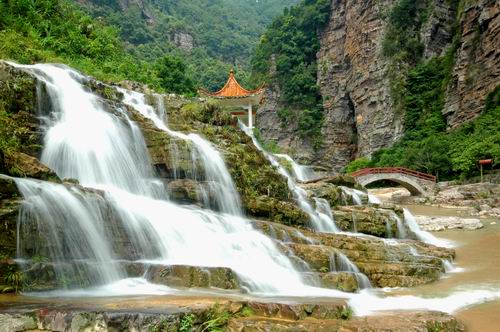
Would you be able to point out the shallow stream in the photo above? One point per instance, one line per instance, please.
(478, 263)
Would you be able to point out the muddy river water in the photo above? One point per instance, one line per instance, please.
(478, 262)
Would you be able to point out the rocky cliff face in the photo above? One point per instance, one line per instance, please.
(477, 68)
(359, 118)
(354, 77)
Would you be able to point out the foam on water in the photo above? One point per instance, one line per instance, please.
(366, 303)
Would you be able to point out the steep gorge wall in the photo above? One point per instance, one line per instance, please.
(477, 68)
(359, 118)
(360, 115)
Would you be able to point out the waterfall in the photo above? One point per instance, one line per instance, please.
(74, 223)
(81, 141)
(216, 172)
(161, 110)
(355, 194)
(100, 150)
(423, 236)
(319, 223)
(340, 263)
(400, 226)
(324, 211)
(301, 173)
(84, 228)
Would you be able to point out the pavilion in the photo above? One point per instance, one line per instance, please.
(233, 95)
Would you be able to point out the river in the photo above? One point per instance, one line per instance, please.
(477, 257)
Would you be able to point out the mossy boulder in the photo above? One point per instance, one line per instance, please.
(19, 107)
(368, 220)
(23, 165)
(331, 193)
(269, 208)
(342, 281)
(193, 276)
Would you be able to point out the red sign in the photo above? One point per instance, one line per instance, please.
(485, 161)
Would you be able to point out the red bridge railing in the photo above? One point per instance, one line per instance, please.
(398, 170)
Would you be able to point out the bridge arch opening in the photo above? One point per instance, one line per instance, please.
(415, 190)
(417, 183)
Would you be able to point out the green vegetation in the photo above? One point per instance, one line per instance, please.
(429, 148)
(419, 89)
(217, 34)
(172, 75)
(215, 319)
(134, 43)
(269, 146)
(345, 313)
(186, 323)
(402, 36)
(56, 31)
(290, 45)
(15, 279)
(358, 164)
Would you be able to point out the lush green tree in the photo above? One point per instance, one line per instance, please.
(172, 75)
(291, 43)
(358, 164)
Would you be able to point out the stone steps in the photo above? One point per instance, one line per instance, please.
(386, 265)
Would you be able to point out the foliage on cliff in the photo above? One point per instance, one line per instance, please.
(56, 31)
(221, 33)
(59, 31)
(289, 48)
(418, 88)
(427, 146)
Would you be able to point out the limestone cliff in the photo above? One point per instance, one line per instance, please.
(360, 114)
(477, 67)
(359, 117)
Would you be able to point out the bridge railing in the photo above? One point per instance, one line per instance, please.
(398, 170)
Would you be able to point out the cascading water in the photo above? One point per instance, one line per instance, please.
(75, 224)
(355, 194)
(104, 150)
(400, 226)
(420, 234)
(340, 263)
(97, 148)
(324, 211)
(301, 173)
(162, 112)
(216, 173)
(81, 143)
(319, 223)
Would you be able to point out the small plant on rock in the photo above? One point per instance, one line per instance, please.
(345, 313)
(216, 319)
(15, 279)
(186, 323)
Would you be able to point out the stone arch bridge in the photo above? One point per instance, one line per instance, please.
(417, 183)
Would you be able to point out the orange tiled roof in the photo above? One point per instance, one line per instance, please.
(232, 89)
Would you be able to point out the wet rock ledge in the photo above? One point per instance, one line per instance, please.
(192, 314)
